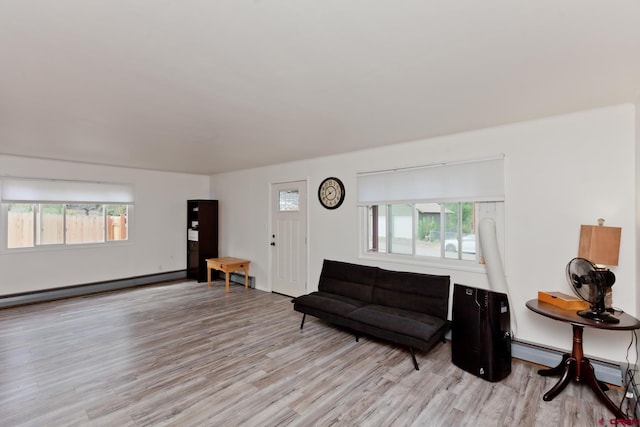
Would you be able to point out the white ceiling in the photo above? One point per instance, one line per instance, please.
(206, 86)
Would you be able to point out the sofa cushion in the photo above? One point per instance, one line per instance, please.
(326, 302)
(350, 280)
(418, 325)
(422, 293)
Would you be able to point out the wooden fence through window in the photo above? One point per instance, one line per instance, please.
(80, 229)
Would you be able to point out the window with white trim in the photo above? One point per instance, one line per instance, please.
(447, 230)
(431, 212)
(42, 213)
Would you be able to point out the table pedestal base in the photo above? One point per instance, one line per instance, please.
(575, 366)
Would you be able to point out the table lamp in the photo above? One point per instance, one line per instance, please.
(600, 245)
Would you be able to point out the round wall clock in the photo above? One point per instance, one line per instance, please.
(331, 193)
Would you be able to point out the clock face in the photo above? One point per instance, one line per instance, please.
(331, 193)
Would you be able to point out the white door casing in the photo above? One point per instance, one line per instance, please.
(288, 238)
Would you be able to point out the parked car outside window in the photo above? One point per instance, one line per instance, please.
(468, 244)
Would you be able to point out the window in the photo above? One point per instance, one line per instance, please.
(289, 201)
(53, 212)
(446, 230)
(431, 212)
(49, 224)
(44, 224)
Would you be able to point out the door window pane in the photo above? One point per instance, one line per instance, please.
(289, 200)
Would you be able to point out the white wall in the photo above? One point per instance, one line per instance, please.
(560, 172)
(637, 195)
(158, 238)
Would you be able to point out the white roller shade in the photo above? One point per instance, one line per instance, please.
(475, 180)
(25, 190)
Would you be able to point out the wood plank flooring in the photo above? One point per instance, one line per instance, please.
(183, 354)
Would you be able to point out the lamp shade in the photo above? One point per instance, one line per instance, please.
(600, 244)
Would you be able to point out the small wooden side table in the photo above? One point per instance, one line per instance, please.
(574, 366)
(228, 265)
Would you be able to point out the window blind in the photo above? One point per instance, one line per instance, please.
(25, 190)
(473, 180)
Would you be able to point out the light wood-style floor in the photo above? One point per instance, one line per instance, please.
(183, 354)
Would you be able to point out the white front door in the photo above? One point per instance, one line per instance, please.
(289, 238)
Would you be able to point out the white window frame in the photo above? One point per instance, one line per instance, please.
(476, 180)
(59, 191)
(483, 209)
(4, 218)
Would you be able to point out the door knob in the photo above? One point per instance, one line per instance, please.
(273, 243)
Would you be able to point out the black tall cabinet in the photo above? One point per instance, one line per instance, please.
(202, 237)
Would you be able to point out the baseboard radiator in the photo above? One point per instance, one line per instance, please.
(238, 278)
(608, 372)
(88, 289)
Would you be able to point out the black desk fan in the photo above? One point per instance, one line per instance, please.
(591, 284)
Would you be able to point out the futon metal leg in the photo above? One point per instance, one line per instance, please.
(413, 356)
(303, 317)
